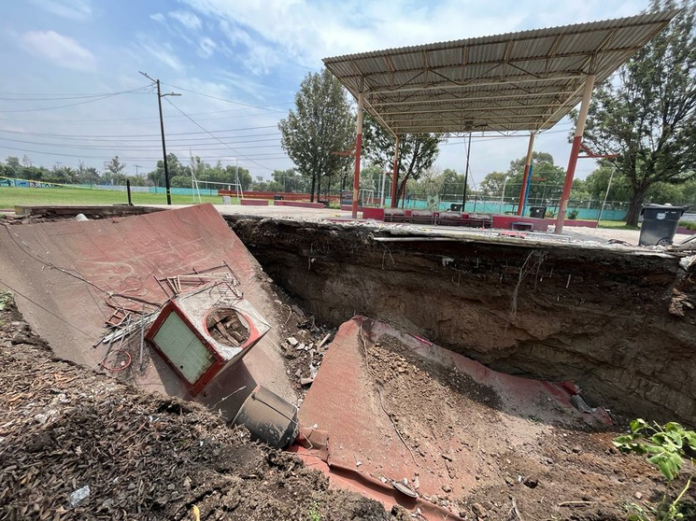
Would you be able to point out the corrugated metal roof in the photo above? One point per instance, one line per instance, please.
(518, 81)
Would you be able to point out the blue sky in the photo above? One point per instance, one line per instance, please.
(252, 55)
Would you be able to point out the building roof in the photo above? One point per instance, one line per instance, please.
(526, 80)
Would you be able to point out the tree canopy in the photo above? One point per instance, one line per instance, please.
(321, 124)
(647, 114)
(416, 153)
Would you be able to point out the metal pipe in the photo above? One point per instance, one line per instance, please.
(502, 196)
(130, 200)
(527, 187)
(525, 175)
(466, 173)
(395, 173)
(575, 149)
(358, 151)
(606, 196)
(381, 193)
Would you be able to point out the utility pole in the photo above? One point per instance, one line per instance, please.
(136, 169)
(164, 146)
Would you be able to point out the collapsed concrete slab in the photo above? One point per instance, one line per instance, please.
(619, 321)
(406, 421)
(74, 277)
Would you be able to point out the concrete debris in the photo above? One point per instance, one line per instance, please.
(80, 495)
(292, 341)
(404, 489)
(581, 405)
(324, 340)
(479, 511)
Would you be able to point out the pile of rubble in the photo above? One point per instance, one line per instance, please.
(76, 444)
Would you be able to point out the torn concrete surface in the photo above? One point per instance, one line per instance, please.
(598, 315)
(399, 419)
(69, 276)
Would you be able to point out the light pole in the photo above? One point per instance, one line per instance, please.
(164, 146)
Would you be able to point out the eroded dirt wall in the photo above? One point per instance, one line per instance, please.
(622, 325)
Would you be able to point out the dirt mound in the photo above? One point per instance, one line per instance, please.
(64, 428)
(490, 459)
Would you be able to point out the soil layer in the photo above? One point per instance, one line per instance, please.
(622, 324)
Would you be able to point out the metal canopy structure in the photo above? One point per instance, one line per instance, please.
(523, 81)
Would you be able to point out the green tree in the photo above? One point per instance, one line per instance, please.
(321, 124)
(13, 163)
(175, 167)
(492, 185)
(115, 167)
(546, 182)
(416, 153)
(290, 181)
(452, 184)
(648, 116)
(597, 183)
(260, 184)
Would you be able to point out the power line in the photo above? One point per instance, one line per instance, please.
(75, 104)
(201, 127)
(135, 120)
(227, 100)
(138, 158)
(94, 137)
(117, 144)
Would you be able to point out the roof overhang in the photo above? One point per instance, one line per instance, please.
(524, 81)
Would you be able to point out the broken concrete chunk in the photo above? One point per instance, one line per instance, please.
(404, 489)
(79, 496)
(478, 510)
(292, 341)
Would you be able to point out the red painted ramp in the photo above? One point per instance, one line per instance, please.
(74, 273)
(398, 409)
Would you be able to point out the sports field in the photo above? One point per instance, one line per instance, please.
(11, 196)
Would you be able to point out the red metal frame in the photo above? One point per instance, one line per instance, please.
(218, 364)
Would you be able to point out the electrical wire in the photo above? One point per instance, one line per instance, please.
(202, 128)
(199, 146)
(53, 97)
(92, 136)
(75, 104)
(47, 310)
(135, 158)
(227, 100)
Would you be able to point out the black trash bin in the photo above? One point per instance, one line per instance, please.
(537, 211)
(660, 223)
(278, 198)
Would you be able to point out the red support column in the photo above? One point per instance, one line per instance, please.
(525, 176)
(358, 151)
(575, 149)
(395, 173)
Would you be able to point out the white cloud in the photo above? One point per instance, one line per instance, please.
(206, 47)
(158, 17)
(306, 32)
(187, 19)
(60, 50)
(162, 52)
(73, 9)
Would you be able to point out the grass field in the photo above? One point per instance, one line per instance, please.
(616, 225)
(9, 197)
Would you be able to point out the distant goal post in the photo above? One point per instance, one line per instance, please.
(212, 187)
